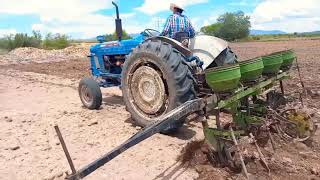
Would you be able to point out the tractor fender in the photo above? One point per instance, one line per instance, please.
(175, 44)
(207, 48)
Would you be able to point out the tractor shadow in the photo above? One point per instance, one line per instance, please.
(113, 100)
(184, 133)
(173, 172)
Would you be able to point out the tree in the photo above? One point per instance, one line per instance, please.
(212, 29)
(113, 37)
(230, 26)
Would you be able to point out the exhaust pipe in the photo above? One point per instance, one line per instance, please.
(118, 23)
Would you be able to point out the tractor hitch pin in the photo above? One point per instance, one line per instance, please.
(244, 168)
(66, 152)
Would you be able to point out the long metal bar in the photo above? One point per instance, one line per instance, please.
(244, 168)
(159, 125)
(250, 90)
(64, 147)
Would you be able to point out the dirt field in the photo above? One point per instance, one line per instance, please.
(35, 96)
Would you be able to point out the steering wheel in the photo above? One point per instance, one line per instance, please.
(151, 32)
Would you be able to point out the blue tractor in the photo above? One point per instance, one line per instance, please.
(155, 73)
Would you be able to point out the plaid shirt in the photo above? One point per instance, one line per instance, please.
(177, 23)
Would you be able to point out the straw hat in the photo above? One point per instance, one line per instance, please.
(173, 5)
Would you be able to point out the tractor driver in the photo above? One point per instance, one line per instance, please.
(178, 25)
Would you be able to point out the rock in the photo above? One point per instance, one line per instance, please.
(59, 174)
(13, 148)
(198, 169)
(93, 123)
(303, 154)
(291, 170)
(301, 146)
(138, 128)
(255, 155)
(314, 171)
(8, 119)
(287, 160)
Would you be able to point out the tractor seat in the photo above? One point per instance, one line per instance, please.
(182, 37)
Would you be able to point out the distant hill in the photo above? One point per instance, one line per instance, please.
(310, 33)
(262, 32)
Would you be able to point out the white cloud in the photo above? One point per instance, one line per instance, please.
(250, 3)
(287, 15)
(4, 32)
(153, 7)
(68, 16)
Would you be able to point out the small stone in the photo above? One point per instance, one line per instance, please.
(15, 148)
(303, 154)
(65, 112)
(93, 123)
(198, 169)
(301, 146)
(60, 174)
(138, 128)
(255, 155)
(8, 119)
(57, 143)
(314, 171)
(288, 160)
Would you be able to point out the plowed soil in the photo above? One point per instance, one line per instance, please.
(36, 96)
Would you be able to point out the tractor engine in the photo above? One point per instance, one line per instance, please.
(113, 64)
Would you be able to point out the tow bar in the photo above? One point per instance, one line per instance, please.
(159, 125)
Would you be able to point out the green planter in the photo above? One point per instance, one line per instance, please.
(251, 69)
(288, 57)
(224, 78)
(272, 63)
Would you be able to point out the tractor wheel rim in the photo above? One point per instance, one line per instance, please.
(148, 90)
(86, 95)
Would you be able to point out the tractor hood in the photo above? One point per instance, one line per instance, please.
(123, 47)
(207, 48)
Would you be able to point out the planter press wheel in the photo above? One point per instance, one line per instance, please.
(298, 125)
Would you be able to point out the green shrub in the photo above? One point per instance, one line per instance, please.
(3, 43)
(113, 37)
(56, 41)
(11, 42)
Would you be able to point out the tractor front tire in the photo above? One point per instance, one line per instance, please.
(90, 93)
(155, 80)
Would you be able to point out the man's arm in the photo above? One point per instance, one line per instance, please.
(167, 27)
(191, 29)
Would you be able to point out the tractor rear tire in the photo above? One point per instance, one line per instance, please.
(90, 93)
(155, 80)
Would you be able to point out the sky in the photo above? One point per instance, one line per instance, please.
(89, 18)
